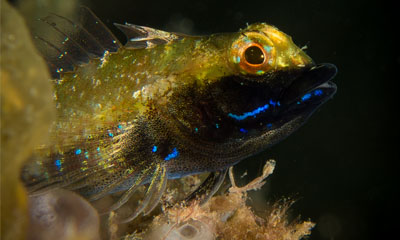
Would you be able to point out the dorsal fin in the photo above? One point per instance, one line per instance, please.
(144, 37)
(65, 44)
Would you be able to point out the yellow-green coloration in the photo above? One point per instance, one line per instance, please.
(168, 105)
(26, 113)
(111, 90)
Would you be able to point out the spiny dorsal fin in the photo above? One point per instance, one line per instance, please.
(145, 37)
(65, 44)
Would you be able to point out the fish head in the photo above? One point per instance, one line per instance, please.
(267, 87)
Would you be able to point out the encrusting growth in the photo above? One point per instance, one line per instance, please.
(226, 216)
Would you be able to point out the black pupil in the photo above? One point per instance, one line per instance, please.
(254, 55)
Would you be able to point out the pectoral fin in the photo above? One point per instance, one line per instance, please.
(157, 178)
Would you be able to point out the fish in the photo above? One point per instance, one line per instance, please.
(166, 105)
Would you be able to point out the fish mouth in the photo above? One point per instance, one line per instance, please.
(310, 90)
(313, 84)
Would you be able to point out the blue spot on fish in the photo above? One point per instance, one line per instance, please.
(246, 40)
(273, 103)
(318, 92)
(58, 164)
(267, 48)
(269, 125)
(154, 149)
(196, 130)
(216, 125)
(306, 97)
(243, 130)
(78, 151)
(172, 155)
(98, 149)
(110, 134)
(249, 114)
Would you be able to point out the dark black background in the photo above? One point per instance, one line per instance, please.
(341, 165)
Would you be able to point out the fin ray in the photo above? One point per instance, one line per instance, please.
(144, 37)
(96, 28)
(61, 37)
(114, 183)
(208, 187)
(156, 196)
(152, 196)
(141, 178)
(82, 40)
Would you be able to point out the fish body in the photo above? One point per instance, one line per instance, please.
(168, 105)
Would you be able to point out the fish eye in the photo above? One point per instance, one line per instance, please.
(254, 55)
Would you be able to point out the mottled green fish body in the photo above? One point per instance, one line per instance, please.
(168, 105)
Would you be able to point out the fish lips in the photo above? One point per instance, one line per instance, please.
(311, 88)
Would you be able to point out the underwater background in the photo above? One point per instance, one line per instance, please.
(341, 164)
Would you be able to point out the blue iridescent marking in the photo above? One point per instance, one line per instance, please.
(318, 92)
(249, 114)
(269, 125)
(273, 103)
(267, 48)
(58, 164)
(172, 155)
(306, 97)
(216, 125)
(243, 130)
(87, 155)
(120, 126)
(154, 149)
(78, 151)
(98, 149)
(259, 72)
(110, 134)
(196, 130)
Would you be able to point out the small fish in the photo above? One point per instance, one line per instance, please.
(167, 105)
